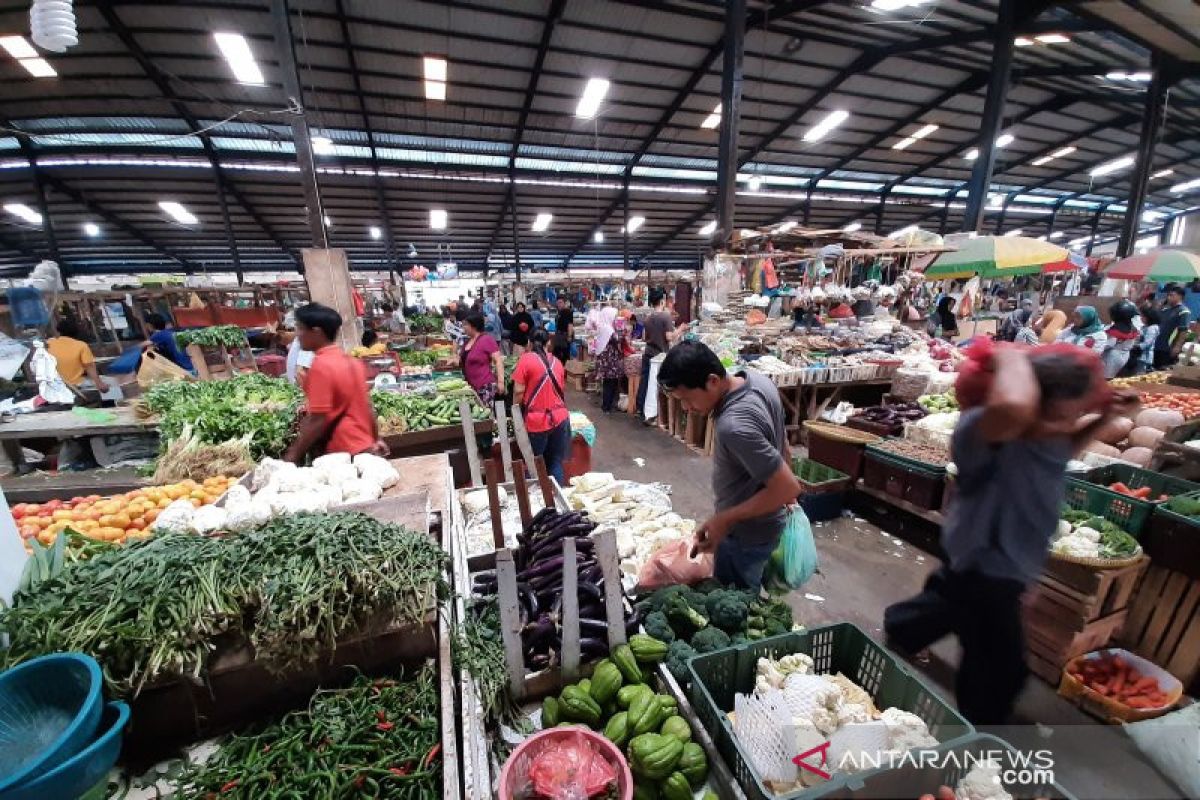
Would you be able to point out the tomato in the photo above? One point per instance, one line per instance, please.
(18, 512)
(29, 531)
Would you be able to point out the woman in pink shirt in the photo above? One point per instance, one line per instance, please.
(481, 361)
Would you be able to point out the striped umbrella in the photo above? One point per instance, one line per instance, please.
(995, 257)
(1160, 264)
(1073, 262)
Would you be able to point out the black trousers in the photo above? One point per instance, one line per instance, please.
(985, 614)
(608, 400)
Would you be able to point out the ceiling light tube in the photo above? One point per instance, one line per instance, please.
(237, 53)
(435, 69)
(593, 95)
(541, 222)
(438, 219)
(1023, 41)
(328, 222)
(1053, 38)
(24, 212)
(709, 229)
(177, 212)
(18, 47)
(91, 229)
(1117, 75)
(635, 223)
(713, 119)
(903, 143)
(322, 145)
(1057, 235)
(435, 90)
(1186, 186)
(924, 131)
(972, 154)
(1014, 232)
(598, 237)
(832, 120)
(1162, 173)
(1112, 166)
(852, 227)
(38, 67)
(754, 184)
(1005, 139)
(375, 232)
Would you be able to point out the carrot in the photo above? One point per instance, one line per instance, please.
(1119, 487)
(1142, 493)
(1145, 684)
(1117, 683)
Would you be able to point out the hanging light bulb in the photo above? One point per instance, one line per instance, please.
(52, 24)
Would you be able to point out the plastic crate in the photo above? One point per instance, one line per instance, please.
(1092, 494)
(718, 677)
(1136, 478)
(818, 477)
(911, 780)
(844, 456)
(904, 479)
(1173, 540)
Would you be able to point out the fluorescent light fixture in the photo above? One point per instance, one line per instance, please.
(435, 69)
(1186, 186)
(328, 222)
(635, 223)
(1053, 38)
(322, 145)
(1014, 232)
(375, 232)
(24, 212)
(1152, 216)
(924, 131)
(1057, 235)
(1162, 173)
(1022, 41)
(895, 5)
(18, 47)
(903, 143)
(593, 95)
(177, 212)
(1041, 238)
(1112, 166)
(852, 227)
(91, 229)
(1005, 139)
(438, 219)
(709, 229)
(754, 184)
(541, 222)
(237, 52)
(598, 237)
(901, 232)
(1059, 153)
(38, 67)
(436, 75)
(1140, 76)
(784, 227)
(713, 119)
(1117, 75)
(819, 131)
(972, 154)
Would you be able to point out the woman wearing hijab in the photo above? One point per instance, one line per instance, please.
(610, 358)
(943, 320)
(1050, 325)
(1122, 337)
(1086, 330)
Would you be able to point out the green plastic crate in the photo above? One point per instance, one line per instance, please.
(910, 462)
(912, 780)
(717, 677)
(1172, 540)
(817, 477)
(1092, 494)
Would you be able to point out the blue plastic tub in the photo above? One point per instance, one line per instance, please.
(81, 772)
(49, 710)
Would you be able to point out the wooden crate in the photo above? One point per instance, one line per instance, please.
(1055, 643)
(1077, 597)
(1164, 623)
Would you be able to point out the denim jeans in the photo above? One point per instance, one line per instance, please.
(643, 385)
(742, 564)
(553, 445)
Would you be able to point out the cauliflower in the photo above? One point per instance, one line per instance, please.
(256, 512)
(1064, 528)
(982, 783)
(175, 517)
(294, 502)
(378, 469)
(769, 671)
(361, 490)
(1076, 546)
(796, 662)
(1084, 532)
(331, 460)
(298, 480)
(906, 731)
(266, 470)
(236, 495)
(208, 519)
(336, 474)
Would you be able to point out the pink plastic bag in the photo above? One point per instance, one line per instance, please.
(571, 770)
(671, 564)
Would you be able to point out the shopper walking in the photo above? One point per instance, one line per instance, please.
(520, 330)
(752, 481)
(610, 360)
(538, 389)
(564, 330)
(481, 361)
(1173, 322)
(942, 322)
(659, 333)
(1019, 426)
(338, 417)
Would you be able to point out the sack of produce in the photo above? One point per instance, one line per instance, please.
(909, 384)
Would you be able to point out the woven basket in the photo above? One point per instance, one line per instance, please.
(1100, 563)
(841, 433)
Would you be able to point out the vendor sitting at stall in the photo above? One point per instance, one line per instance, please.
(162, 340)
(1086, 330)
(338, 417)
(752, 481)
(74, 357)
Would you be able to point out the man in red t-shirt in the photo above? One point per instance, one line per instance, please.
(338, 415)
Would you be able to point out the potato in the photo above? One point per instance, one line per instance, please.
(1138, 455)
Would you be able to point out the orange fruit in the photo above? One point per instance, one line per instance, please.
(166, 501)
(137, 523)
(120, 520)
(150, 516)
(106, 521)
(196, 502)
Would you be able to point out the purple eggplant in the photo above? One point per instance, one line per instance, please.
(591, 647)
(540, 517)
(546, 567)
(555, 546)
(592, 627)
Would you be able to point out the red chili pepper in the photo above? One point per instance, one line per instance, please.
(229, 786)
(359, 781)
(401, 771)
(266, 748)
(431, 755)
(385, 726)
(381, 715)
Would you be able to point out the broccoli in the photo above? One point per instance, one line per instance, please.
(657, 626)
(728, 609)
(660, 599)
(708, 585)
(739, 638)
(684, 618)
(768, 618)
(710, 639)
(678, 655)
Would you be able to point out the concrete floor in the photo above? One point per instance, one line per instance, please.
(863, 570)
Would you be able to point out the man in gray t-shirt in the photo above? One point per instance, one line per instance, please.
(752, 480)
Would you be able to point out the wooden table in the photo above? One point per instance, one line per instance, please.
(806, 401)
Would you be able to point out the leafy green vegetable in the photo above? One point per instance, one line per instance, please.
(215, 336)
(425, 323)
(1187, 505)
(421, 412)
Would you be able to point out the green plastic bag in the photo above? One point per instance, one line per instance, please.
(795, 559)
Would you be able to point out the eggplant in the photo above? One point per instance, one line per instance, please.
(540, 516)
(591, 590)
(540, 661)
(538, 633)
(632, 626)
(592, 626)
(593, 574)
(591, 647)
(547, 567)
(562, 521)
(555, 547)
(529, 603)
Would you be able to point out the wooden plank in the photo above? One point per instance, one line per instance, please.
(1143, 606)
(521, 490)
(1185, 663)
(502, 426)
(539, 466)
(1184, 615)
(1164, 610)
(614, 603)
(522, 437)
(493, 490)
(570, 611)
(510, 620)
(451, 786)
(472, 447)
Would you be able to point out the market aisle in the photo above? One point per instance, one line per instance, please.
(864, 570)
